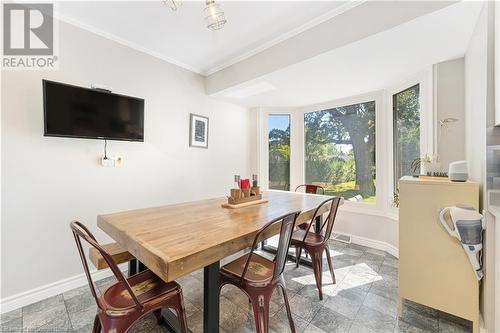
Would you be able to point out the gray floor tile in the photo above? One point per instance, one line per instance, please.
(83, 317)
(357, 328)
(376, 252)
(14, 325)
(352, 252)
(9, 316)
(195, 322)
(375, 320)
(386, 287)
(304, 308)
(77, 292)
(331, 321)
(404, 327)
(233, 318)
(189, 307)
(148, 325)
(388, 270)
(335, 245)
(382, 304)
(311, 292)
(105, 283)
(345, 306)
(358, 247)
(445, 317)
(49, 314)
(422, 320)
(391, 261)
(279, 323)
(447, 326)
(313, 329)
(355, 294)
(80, 302)
(425, 310)
(85, 329)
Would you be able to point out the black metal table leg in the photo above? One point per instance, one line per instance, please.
(132, 267)
(141, 267)
(211, 298)
(319, 222)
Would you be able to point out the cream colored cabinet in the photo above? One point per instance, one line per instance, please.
(433, 267)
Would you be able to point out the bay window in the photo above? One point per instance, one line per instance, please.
(279, 151)
(339, 150)
(406, 132)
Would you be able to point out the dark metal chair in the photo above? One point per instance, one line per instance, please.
(257, 276)
(128, 300)
(311, 189)
(316, 242)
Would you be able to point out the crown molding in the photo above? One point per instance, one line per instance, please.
(292, 33)
(127, 43)
(206, 72)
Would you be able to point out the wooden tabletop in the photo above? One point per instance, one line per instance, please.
(175, 240)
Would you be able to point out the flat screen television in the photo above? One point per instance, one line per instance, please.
(76, 112)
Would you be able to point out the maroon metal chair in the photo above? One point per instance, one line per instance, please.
(257, 276)
(311, 189)
(130, 299)
(316, 242)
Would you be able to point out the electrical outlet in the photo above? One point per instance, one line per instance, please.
(107, 162)
(112, 161)
(118, 161)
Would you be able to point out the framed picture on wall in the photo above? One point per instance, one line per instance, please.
(198, 131)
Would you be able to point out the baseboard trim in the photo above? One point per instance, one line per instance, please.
(373, 243)
(17, 301)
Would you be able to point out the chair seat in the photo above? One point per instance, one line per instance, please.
(259, 270)
(145, 285)
(311, 238)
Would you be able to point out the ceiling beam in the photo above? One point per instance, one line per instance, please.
(360, 22)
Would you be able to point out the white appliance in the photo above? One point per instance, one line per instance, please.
(458, 171)
(468, 226)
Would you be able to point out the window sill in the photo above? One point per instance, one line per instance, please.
(362, 208)
(365, 209)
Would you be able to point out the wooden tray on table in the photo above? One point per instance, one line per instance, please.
(244, 202)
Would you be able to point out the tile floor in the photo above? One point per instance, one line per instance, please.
(364, 300)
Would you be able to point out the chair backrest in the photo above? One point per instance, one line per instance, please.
(327, 225)
(286, 223)
(311, 189)
(81, 232)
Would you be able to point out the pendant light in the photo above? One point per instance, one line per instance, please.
(214, 15)
(172, 4)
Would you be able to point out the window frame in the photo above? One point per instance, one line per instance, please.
(394, 155)
(384, 139)
(427, 118)
(267, 146)
(378, 97)
(263, 143)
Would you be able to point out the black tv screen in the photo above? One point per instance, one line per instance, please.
(71, 111)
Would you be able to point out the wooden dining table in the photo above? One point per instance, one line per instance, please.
(175, 240)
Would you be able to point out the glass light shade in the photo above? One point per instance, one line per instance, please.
(214, 16)
(172, 4)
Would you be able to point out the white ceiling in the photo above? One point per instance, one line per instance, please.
(182, 38)
(370, 64)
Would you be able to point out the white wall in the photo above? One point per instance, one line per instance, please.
(479, 106)
(449, 101)
(47, 182)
